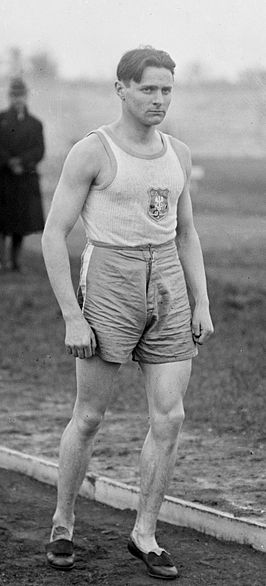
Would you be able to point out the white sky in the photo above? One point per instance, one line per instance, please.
(87, 37)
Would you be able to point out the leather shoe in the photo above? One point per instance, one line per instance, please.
(60, 552)
(159, 566)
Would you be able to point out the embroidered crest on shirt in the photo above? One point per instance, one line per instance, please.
(158, 203)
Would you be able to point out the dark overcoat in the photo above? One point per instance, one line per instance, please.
(20, 196)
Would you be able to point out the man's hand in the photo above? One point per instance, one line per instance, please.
(15, 165)
(80, 339)
(202, 327)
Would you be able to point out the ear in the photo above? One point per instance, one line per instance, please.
(120, 89)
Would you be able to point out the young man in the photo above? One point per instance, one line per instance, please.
(21, 149)
(130, 183)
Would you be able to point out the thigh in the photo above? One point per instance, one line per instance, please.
(111, 295)
(168, 334)
(95, 382)
(166, 385)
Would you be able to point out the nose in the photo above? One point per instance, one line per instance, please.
(157, 97)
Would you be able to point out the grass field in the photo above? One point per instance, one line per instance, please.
(227, 386)
(222, 453)
(225, 405)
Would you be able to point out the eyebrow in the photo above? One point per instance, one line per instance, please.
(155, 87)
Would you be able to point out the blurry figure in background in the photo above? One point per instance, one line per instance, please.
(21, 149)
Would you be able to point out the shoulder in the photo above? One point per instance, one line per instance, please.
(5, 121)
(3, 114)
(84, 158)
(35, 121)
(182, 151)
(89, 147)
(180, 147)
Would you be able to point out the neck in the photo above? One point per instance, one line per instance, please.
(133, 131)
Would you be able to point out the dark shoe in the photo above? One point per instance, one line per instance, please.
(159, 566)
(60, 552)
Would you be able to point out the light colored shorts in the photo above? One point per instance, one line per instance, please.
(135, 300)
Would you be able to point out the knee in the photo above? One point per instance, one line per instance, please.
(87, 422)
(166, 426)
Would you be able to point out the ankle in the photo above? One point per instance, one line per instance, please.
(145, 541)
(142, 534)
(63, 521)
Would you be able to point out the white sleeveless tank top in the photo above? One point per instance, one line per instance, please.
(138, 205)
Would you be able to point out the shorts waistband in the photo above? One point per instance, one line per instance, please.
(138, 247)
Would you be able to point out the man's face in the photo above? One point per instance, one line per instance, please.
(18, 101)
(148, 100)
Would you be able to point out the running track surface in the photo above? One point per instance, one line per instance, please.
(26, 507)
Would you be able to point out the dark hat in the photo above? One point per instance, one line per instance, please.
(17, 87)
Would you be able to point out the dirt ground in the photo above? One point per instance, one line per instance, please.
(221, 460)
(101, 537)
(216, 471)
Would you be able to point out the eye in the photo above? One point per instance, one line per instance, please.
(166, 90)
(147, 90)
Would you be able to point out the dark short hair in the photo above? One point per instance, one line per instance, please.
(133, 63)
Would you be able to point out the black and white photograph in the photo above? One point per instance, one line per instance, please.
(132, 292)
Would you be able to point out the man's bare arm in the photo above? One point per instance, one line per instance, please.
(80, 169)
(191, 257)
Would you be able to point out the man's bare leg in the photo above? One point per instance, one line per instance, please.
(95, 379)
(165, 385)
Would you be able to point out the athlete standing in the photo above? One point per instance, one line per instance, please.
(130, 183)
